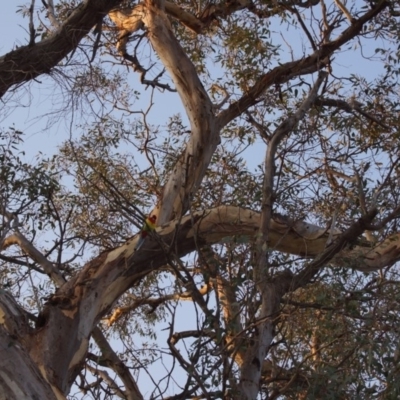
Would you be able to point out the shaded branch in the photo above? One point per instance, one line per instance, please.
(110, 359)
(28, 62)
(119, 312)
(333, 249)
(104, 376)
(271, 292)
(14, 326)
(349, 107)
(29, 249)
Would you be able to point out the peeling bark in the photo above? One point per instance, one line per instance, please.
(20, 377)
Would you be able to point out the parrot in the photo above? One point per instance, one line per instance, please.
(148, 227)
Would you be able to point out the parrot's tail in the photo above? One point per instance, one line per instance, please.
(140, 242)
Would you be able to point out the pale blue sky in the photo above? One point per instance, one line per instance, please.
(32, 117)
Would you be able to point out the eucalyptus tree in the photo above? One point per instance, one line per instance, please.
(263, 136)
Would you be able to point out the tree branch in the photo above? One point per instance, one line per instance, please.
(193, 163)
(28, 62)
(271, 292)
(110, 359)
(28, 248)
(19, 374)
(330, 252)
(108, 276)
(350, 107)
(312, 63)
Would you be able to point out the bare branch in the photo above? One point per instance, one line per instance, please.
(268, 187)
(28, 248)
(327, 255)
(110, 359)
(119, 312)
(32, 32)
(51, 13)
(344, 10)
(104, 376)
(271, 295)
(187, 19)
(28, 62)
(350, 107)
(306, 65)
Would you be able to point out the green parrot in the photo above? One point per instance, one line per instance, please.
(148, 227)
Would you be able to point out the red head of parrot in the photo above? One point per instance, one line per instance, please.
(149, 225)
